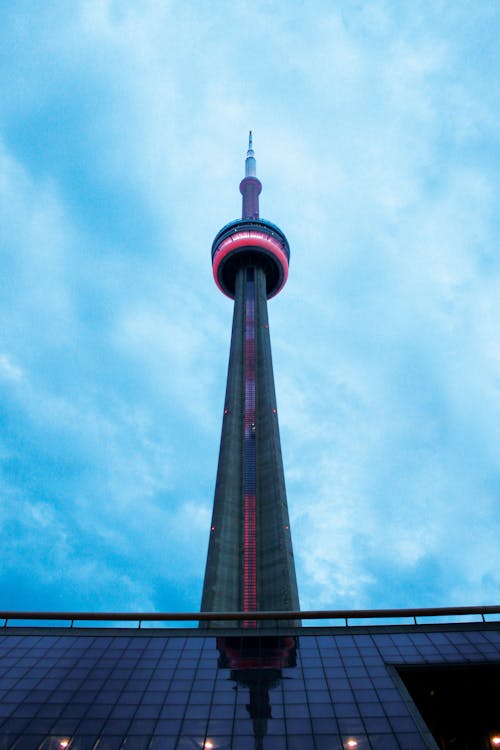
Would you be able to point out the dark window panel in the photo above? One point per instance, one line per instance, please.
(93, 684)
(51, 710)
(391, 652)
(90, 726)
(387, 694)
(373, 661)
(221, 742)
(328, 742)
(346, 709)
(241, 715)
(168, 726)
(395, 708)
(108, 743)
(17, 696)
(74, 710)
(199, 698)
(6, 683)
(336, 674)
(83, 742)
(85, 696)
(350, 725)
(219, 726)
(296, 711)
(100, 710)
(122, 711)
(106, 696)
(298, 726)
(39, 726)
(300, 742)
(361, 683)
(295, 697)
(27, 683)
(325, 725)
(116, 726)
(180, 684)
(385, 742)
(153, 697)
(148, 712)
(352, 661)
(204, 684)
(330, 662)
(163, 743)
(221, 711)
(129, 697)
(342, 696)
(274, 743)
(28, 742)
(411, 742)
(245, 742)
(313, 672)
(276, 727)
(402, 724)
(194, 727)
(135, 743)
(206, 671)
(177, 698)
(278, 710)
(292, 685)
(357, 672)
(371, 709)
(134, 685)
(315, 684)
(220, 697)
(161, 684)
(321, 710)
(197, 711)
(374, 724)
(319, 696)
(142, 726)
(382, 681)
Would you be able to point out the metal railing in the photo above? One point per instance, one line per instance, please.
(346, 616)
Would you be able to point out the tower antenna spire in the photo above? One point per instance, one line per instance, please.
(250, 163)
(250, 186)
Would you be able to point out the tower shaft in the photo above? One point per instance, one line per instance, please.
(250, 564)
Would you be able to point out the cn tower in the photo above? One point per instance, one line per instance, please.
(250, 565)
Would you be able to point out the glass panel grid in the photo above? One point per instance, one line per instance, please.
(132, 689)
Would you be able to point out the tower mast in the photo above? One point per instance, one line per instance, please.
(250, 565)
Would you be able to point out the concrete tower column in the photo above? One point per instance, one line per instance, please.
(250, 564)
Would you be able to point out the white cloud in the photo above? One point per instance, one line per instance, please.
(9, 370)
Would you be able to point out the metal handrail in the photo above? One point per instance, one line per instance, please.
(332, 614)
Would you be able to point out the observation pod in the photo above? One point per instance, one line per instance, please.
(254, 242)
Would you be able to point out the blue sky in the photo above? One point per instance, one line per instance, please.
(122, 139)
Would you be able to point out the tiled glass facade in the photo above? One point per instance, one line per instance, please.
(154, 690)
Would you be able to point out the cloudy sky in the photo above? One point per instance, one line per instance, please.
(122, 137)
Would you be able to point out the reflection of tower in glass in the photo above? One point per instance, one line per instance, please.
(250, 564)
(256, 664)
